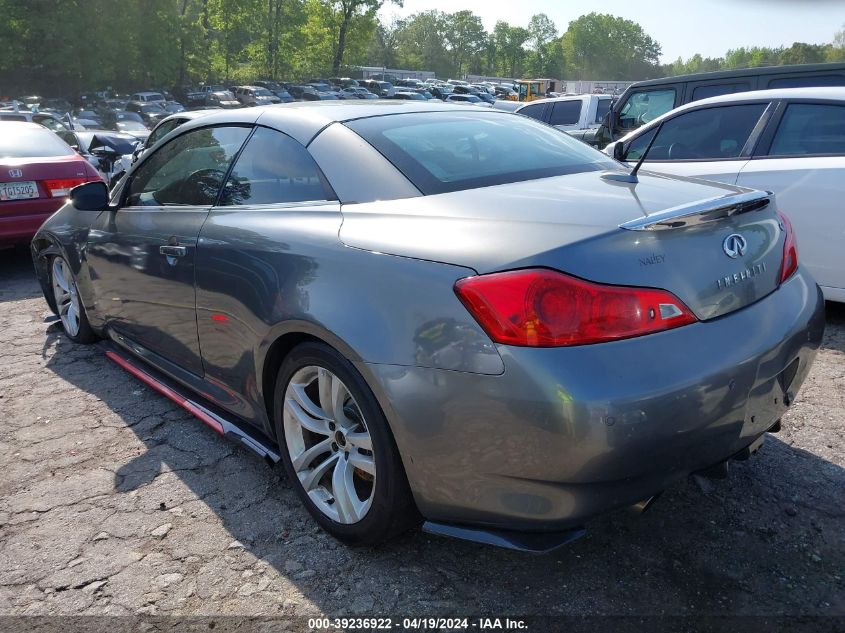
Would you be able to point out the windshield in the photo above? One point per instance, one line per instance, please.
(441, 152)
(128, 116)
(263, 92)
(23, 141)
(152, 107)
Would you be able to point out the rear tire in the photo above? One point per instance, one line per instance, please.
(337, 448)
(69, 306)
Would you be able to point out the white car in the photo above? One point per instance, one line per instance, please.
(462, 99)
(149, 97)
(789, 141)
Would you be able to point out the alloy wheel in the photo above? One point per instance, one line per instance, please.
(66, 296)
(329, 444)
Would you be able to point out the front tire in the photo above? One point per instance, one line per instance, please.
(69, 306)
(337, 448)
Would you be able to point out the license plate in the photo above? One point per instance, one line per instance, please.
(18, 190)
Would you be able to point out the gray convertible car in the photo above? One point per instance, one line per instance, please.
(439, 314)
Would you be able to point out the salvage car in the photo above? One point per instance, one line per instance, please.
(440, 314)
(37, 171)
(109, 152)
(789, 141)
(165, 126)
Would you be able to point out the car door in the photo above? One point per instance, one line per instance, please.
(255, 260)
(802, 161)
(713, 142)
(141, 255)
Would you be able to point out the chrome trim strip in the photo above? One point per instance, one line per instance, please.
(701, 212)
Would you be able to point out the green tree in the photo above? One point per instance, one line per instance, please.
(465, 38)
(599, 46)
(510, 42)
(420, 43)
(383, 49)
(541, 33)
(345, 11)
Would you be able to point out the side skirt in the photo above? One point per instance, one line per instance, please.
(170, 390)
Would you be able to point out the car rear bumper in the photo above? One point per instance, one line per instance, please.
(20, 220)
(568, 433)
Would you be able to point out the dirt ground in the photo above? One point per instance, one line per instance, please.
(115, 501)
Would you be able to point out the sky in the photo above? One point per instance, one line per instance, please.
(682, 27)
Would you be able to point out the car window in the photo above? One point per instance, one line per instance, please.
(463, 150)
(188, 170)
(565, 112)
(806, 81)
(12, 117)
(274, 168)
(646, 106)
(602, 108)
(704, 92)
(534, 111)
(68, 137)
(161, 131)
(709, 133)
(810, 129)
(49, 122)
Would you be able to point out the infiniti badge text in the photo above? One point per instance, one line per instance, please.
(748, 273)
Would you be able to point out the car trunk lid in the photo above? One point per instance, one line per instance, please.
(717, 247)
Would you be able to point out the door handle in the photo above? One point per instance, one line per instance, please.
(173, 251)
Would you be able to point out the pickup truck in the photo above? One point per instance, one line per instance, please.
(579, 116)
(644, 101)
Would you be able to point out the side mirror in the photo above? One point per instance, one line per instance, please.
(91, 196)
(618, 151)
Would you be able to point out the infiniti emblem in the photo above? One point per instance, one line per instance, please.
(734, 245)
(15, 173)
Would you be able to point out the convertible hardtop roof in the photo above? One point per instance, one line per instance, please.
(303, 120)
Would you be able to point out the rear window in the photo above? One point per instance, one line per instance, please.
(715, 90)
(807, 81)
(19, 141)
(808, 129)
(442, 151)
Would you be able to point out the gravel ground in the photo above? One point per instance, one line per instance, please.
(115, 501)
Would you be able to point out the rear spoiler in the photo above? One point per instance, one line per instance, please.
(702, 211)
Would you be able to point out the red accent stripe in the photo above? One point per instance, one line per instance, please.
(166, 391)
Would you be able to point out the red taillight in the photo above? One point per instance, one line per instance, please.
(546, 308)
(62, 187)
(790, 249)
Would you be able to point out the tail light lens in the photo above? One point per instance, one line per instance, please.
(62, 187)
(790, 250)
(546, 308)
